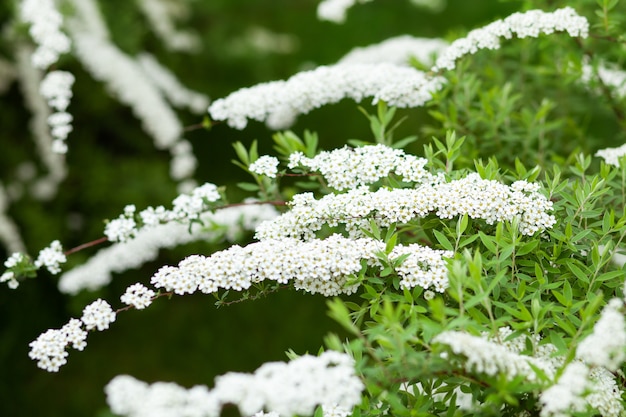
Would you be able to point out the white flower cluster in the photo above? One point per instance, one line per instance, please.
(606, 346)
(45, 29)
(528, 24)
(347, 167)
(397, 50)
(184, 162)
(12, 261)
(610, 77)
(606, 396)
(186, 207)
(282, 101)
(56, 88)
(49, 348)
(286, 389)
(424, 267)
(132, 253)
(489, 357)
(316, 266)
(51, 257)
(612, 155)
(138, 296)
(567, 395)
(485, 355)
(265, 165)
(489, 200)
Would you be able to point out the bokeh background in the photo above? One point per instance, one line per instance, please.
(112, 162)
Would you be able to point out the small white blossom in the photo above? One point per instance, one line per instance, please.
(98, 315)
(265, 165)
(56, 88)
(137, 296)
(51, 257)
(9, 278)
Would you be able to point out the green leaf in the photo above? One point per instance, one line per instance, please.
(443, 240)
(248, 186)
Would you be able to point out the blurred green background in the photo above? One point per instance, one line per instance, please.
(112, 163)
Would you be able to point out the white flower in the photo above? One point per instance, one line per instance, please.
(567, 395)
(56, 87)
(51, 257)
(138, 296)
(45, 29)
(397, 85)
(275, 389)
(606, 346)
(98, 315)
(265, 165)
(528, 24)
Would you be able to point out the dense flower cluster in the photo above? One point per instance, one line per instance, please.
(348, 167)
(294, 388)
(265, 165)
(485, 356)
(147, 241)
(49, 349)
(528, 24)
(45, 29)
(489, 200)
(567, 395)
(316, 266)
(606, 346)
(279, 102)
(137, 296)
(56, 88)
(504, 356)
(612, 155)
(9, 276)
(98, 315)
(186, 207)
(51, 257)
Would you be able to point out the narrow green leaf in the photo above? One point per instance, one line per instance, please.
(443, 240)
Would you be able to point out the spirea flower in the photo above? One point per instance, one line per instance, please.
(567, 395)
(485, 356)
(398, 86)
(137, 296)
(612, 155)
(98, 315)
(489, 200)
(228, 223)
(276, 388)
(347, 167)
(49, 350)
(51, 257)
(606, 346)
(265, 165)
(45, 29)
(528, 24)
(56, 88)
(315, 266)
